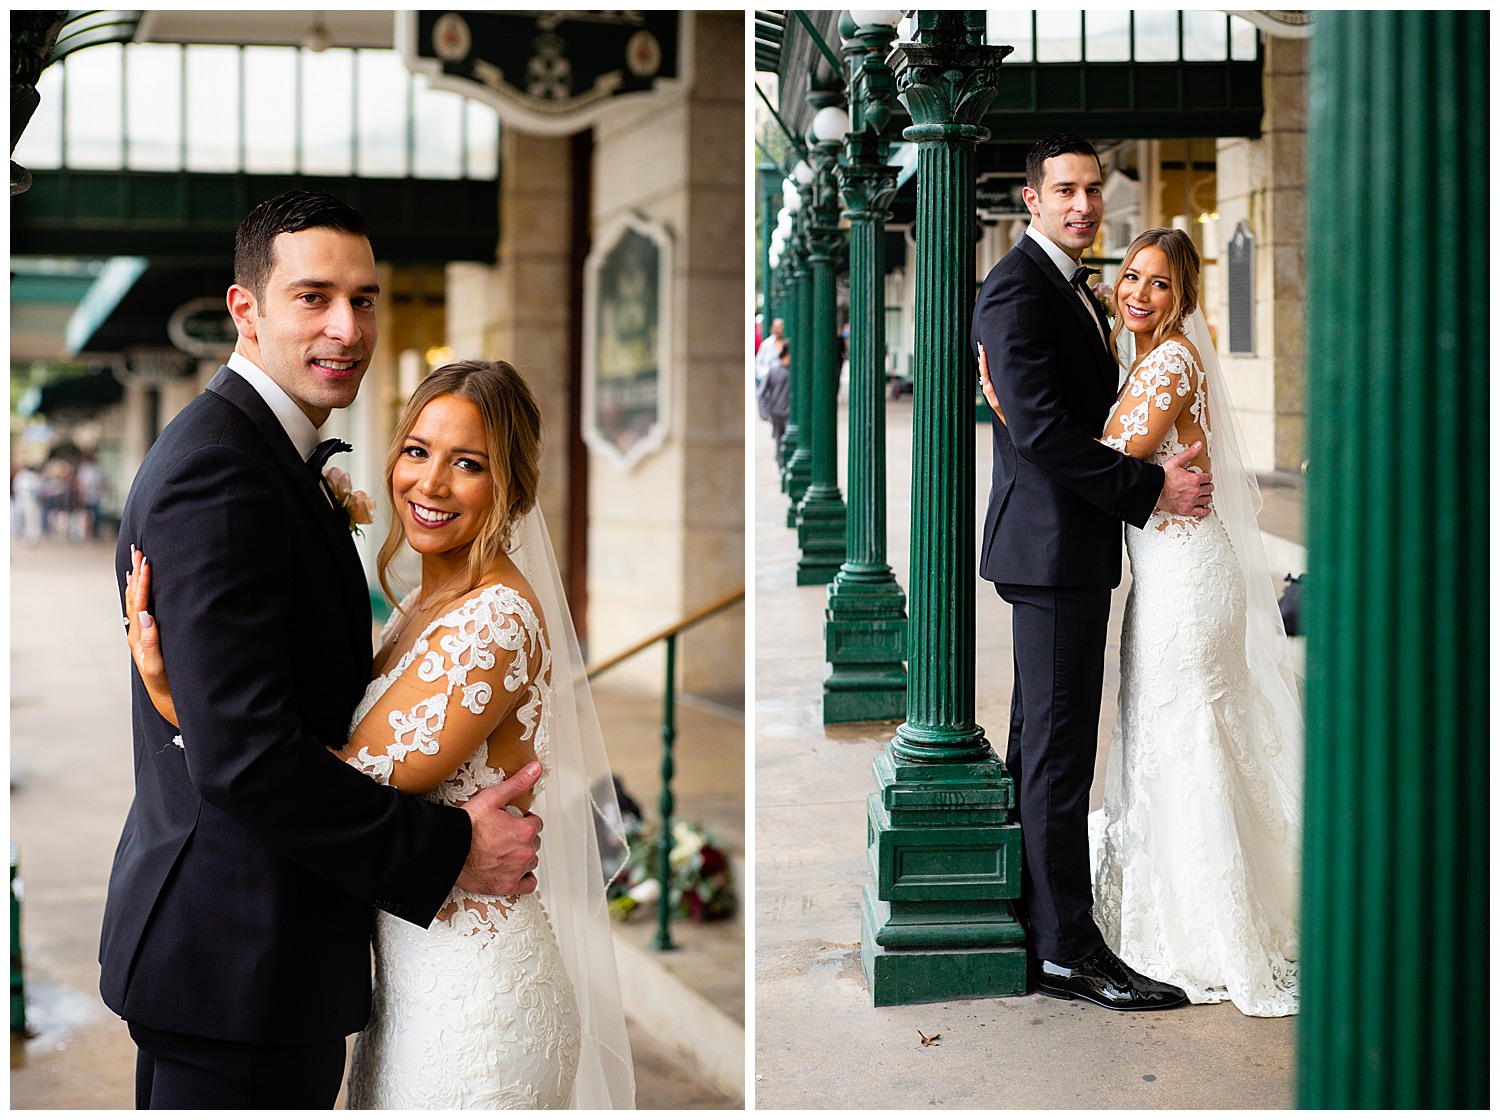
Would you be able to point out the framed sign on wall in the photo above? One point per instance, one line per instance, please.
(627, 341)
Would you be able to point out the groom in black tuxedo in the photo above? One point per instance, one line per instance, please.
(236, 940)
(1051, 546)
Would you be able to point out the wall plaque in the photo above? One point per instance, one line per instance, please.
(1242, 291)
(627, 338)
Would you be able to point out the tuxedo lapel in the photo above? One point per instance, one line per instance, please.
(332, 526)
(1090, 322)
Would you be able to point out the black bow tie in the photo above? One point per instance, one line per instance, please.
(1082, 275)
(323, 452)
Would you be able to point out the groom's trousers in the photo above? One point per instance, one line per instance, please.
(1058, 640)
(184, 1071)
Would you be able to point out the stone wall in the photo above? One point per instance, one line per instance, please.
(667, 536)
(1261, 183)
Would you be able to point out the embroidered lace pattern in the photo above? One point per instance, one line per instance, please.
(477, 1011)
(1161, 405)
(1198, 846)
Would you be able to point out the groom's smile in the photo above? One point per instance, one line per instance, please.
(313, 329)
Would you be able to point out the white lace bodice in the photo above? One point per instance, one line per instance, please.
(477, 1010)
(1162, 409)
(449, 676)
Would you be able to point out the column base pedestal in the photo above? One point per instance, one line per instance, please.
(821, 537)
(866, 674)
(902, 976)
(945, 860)
(798, 479)
(866, 692)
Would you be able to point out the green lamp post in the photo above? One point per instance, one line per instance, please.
(937, 921)
(821, 514)
(864, 629)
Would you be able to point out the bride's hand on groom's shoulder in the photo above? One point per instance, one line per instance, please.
(1184, 492)
(144, 638)
(504, 842)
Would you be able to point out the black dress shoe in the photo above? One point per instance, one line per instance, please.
(1105, 979)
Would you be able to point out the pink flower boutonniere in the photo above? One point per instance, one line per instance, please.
(358, 506)
(1106, 296)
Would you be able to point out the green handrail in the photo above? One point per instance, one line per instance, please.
(663, 938)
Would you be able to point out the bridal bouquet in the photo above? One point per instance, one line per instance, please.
(701, 887)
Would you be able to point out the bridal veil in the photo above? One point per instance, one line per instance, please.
(575, 804)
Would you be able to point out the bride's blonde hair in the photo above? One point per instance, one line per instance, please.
(1186, 264)
(513, 440)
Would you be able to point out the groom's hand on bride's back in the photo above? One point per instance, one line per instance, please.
(503, 845)
(1186, 493)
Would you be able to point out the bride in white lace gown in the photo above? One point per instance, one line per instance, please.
(512, 1002)
(1198, 846)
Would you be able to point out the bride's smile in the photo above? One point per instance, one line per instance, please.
(1144, 291)
(442, 481)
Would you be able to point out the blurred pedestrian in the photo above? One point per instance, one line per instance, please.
(89, 488)
(774, 396)
(26, 505)
(767, 354)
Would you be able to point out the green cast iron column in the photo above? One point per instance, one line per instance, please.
(821, 514)
(768, 175)
(799, 466)
(937, 923)
(864, 629)
(1395, 944)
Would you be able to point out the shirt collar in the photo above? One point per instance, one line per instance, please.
(1065, 264)
(299, 429)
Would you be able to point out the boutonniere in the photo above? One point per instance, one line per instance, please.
(358, 506)
(1106, 296)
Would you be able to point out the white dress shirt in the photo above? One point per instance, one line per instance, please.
(299, 429)
(1067, 266)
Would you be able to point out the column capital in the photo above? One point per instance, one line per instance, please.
(824, 234)
(946, 78)
(868, 189)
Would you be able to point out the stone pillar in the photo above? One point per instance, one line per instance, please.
(937, 922)
(1395, 938)
(864, 630)
(821, 515)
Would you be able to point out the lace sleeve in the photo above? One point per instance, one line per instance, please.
(470, 670)
(1150, 402)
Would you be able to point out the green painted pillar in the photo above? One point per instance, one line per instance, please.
(864, 628)
(786, 308)
(1395, 938)
(821, 514)
(946, 852)
(768, 175)
(799, 429)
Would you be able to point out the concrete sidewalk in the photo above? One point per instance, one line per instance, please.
(818, 1041)
(71, 785)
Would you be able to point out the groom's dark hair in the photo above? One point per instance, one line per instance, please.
(292, 212)
(1058, 144)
